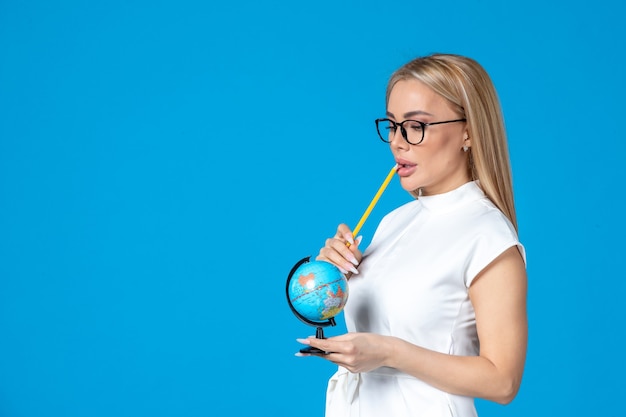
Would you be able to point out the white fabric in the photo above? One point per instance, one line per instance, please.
(413, 284)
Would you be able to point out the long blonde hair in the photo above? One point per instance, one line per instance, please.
(467, 86)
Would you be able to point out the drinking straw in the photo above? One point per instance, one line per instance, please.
(374, 201)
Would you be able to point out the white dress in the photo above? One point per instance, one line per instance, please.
(413, 283)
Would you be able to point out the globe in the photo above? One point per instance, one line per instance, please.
(317, 291)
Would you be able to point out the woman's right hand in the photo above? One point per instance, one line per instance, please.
(342, 251)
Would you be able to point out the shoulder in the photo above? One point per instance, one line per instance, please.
(484, 215)
(488, 233)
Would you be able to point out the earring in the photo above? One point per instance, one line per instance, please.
(465, 148)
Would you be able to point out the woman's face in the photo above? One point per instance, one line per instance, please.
(438, 164)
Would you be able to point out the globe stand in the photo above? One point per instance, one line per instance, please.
(319, 332)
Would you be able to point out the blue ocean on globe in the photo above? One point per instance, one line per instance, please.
(318, 290)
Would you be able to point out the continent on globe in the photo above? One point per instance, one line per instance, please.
(307, 281)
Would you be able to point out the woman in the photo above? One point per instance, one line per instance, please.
(437, 308)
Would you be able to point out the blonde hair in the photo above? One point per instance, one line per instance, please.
(467, 86)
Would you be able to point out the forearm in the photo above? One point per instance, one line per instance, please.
(473, 376)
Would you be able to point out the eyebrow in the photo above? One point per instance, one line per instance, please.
(411, 114)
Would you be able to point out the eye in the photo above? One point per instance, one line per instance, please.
(414, 126)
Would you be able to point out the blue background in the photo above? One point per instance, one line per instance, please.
(163, 165)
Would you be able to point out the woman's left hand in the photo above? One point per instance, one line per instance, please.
(357, 352)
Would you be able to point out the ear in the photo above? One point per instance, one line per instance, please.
(467, 142)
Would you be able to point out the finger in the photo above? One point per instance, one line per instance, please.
(349, 252)
(311, 349)
(324, 345)
(344, 233)
(339, 255)
(342, 250)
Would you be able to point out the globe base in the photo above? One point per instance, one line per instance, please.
(313, 351)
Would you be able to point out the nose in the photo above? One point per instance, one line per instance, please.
(397, 139)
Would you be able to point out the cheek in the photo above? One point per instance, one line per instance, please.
(451, 146)
(441, 155)
(433, 151)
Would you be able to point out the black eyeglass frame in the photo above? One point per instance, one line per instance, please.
(403, 130)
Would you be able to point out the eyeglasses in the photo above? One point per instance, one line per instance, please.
(413, 133)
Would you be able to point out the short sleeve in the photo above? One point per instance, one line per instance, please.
(494, 235)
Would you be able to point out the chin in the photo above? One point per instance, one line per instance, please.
(409, 185)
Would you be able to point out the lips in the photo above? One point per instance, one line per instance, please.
(405, 168)
(406, 165)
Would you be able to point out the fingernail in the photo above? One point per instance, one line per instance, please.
(301, 355)
(353, 270)
(303, 341)
(349, 238)
(343, 271)
(359, 239)
(353, 260)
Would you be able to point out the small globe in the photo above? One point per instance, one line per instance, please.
(317, 291)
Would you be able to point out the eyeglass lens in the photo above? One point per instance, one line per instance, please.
(412, 131)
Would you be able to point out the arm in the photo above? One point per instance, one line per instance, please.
(498, 295)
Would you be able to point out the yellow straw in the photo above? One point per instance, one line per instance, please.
(374, 201)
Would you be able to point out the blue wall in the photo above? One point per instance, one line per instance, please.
(163, 165)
